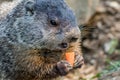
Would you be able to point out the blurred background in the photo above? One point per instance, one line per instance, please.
(99, 22)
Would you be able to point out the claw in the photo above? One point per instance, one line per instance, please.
(79, 61)
(63, 67)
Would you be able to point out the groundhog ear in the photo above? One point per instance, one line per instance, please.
(29, 6)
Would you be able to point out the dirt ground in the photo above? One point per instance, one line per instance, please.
(101, 39)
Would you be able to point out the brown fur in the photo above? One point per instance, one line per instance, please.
(30, 46)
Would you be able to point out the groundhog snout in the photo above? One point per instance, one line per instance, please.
(74, 39)
(71, 37)
(71, 40)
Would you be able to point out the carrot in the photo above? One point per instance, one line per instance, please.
(70, 57)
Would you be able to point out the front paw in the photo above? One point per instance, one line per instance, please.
(63, 67)
(79, 61)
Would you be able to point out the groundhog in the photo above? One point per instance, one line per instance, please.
(34, 37)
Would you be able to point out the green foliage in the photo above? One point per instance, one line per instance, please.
(111, 46)
(83, 79)
(114, 66)
(96, 76)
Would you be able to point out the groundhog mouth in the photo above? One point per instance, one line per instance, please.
(62, 48)
(48, 51)
(45, 50)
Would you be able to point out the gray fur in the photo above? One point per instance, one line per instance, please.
(22, 30)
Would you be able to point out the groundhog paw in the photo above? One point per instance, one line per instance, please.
(79, 61)
(63, 67)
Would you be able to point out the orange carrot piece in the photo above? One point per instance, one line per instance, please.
(70, 57)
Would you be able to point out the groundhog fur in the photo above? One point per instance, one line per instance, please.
(34, 37)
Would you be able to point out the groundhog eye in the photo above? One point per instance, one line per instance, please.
(53, 22)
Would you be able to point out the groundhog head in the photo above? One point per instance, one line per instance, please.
(47, 24)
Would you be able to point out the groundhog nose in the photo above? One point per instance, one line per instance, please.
(64, 45)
